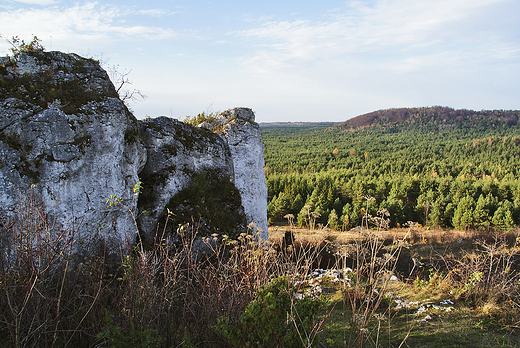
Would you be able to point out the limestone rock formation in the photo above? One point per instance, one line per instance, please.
(190, 173)
(247, 151)
(65, 134)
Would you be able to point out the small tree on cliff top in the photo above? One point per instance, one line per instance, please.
(20, 46)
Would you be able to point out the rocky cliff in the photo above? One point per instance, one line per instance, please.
(244, 136)
(66, 135)
(190, 173)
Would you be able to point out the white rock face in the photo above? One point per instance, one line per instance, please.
(247, 151)
(75, 162)
(177, 153)
(65, 136)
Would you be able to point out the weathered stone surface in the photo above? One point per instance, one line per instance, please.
(247, 151)
(65, 134)
(185, 166)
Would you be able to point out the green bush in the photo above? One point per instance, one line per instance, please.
(115, 337)
(200, 118)
(20, 46)
(274, 318)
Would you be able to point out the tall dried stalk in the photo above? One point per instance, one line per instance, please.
(372, 270)
(34, 263)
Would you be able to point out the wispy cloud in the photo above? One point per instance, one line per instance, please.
(35, 2)
(399, 31)
(356, 57)
(82, 25)
(155, 13)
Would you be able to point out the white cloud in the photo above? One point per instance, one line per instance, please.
(152, 13)
(392, 53)
(360, 57)
(156, 13)
(74, 28)
(389, 31)
(36, 2)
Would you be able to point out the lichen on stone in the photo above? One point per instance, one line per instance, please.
(66, 81)
(66, 135)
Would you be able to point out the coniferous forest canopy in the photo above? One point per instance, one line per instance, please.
(436, 166)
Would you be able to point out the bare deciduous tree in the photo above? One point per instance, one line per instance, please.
(122, 82)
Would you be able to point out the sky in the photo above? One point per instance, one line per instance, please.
(288, 60)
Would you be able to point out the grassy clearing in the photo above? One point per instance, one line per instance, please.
(461, 291)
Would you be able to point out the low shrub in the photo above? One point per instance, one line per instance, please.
(274, 318)
(214, 291)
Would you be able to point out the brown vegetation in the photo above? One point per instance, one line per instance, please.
(196, 293)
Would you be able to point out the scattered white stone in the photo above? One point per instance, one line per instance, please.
(404, 304)
(334, 275)
(426, 318)
(423, 306)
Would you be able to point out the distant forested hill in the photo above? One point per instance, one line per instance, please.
(432, 118)
(436, 166)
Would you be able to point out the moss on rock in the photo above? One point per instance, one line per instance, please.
(67, 81)
(212, 202)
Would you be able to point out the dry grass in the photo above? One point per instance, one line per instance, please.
(477, 270)
(417, 235)
(167, 296)
(174, 295)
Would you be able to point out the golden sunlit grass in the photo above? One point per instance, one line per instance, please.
(473, 273)
(416, 236)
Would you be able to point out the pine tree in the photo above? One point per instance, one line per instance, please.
(333, 220)
(481, 213)
(463, 217)
(503, 217)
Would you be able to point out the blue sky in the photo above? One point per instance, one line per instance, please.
(289, 60)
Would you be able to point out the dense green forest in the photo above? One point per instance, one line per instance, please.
(436, 166)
